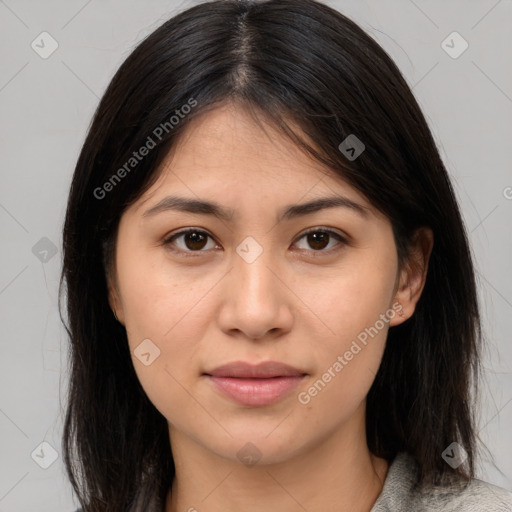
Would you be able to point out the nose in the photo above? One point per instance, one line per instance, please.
(257, 301)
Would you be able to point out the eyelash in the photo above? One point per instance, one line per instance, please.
(318, 253)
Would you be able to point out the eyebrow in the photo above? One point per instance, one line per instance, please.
(202, 207)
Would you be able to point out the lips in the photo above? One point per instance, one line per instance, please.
(269, 369)
(255, 385)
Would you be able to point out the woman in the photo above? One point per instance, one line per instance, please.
(270, 295)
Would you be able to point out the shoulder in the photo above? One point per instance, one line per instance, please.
(400, 495)
(475, 496)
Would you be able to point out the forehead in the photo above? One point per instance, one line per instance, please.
(227, 154)
(231, 140)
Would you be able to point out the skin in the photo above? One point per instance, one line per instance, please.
(298, 303)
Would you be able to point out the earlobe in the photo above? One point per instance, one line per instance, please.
(414, 274)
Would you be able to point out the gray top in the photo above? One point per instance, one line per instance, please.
(399, 495)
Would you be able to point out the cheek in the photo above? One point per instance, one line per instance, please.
(159, 300)
(346, 371)
(357, 310)
(161, 320)
(164, 318)
(354, 296)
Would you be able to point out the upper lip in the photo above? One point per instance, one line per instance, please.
(265, 370)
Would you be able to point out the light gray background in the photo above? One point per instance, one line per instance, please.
(46, 106)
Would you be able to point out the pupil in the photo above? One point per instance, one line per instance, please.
(318, 237)
(195, 239)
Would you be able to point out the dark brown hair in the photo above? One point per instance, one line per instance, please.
(298, 63)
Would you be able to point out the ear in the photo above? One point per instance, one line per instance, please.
(411, 280)
(114, 299)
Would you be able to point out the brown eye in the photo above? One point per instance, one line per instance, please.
(318, 239)
(193, 240)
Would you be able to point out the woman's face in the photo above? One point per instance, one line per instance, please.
(254, 287)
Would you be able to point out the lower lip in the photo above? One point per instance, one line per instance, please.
(256, 392)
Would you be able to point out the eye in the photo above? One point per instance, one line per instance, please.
(193, 240)
(319, 238)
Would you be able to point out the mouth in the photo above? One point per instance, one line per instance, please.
(255, 385)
